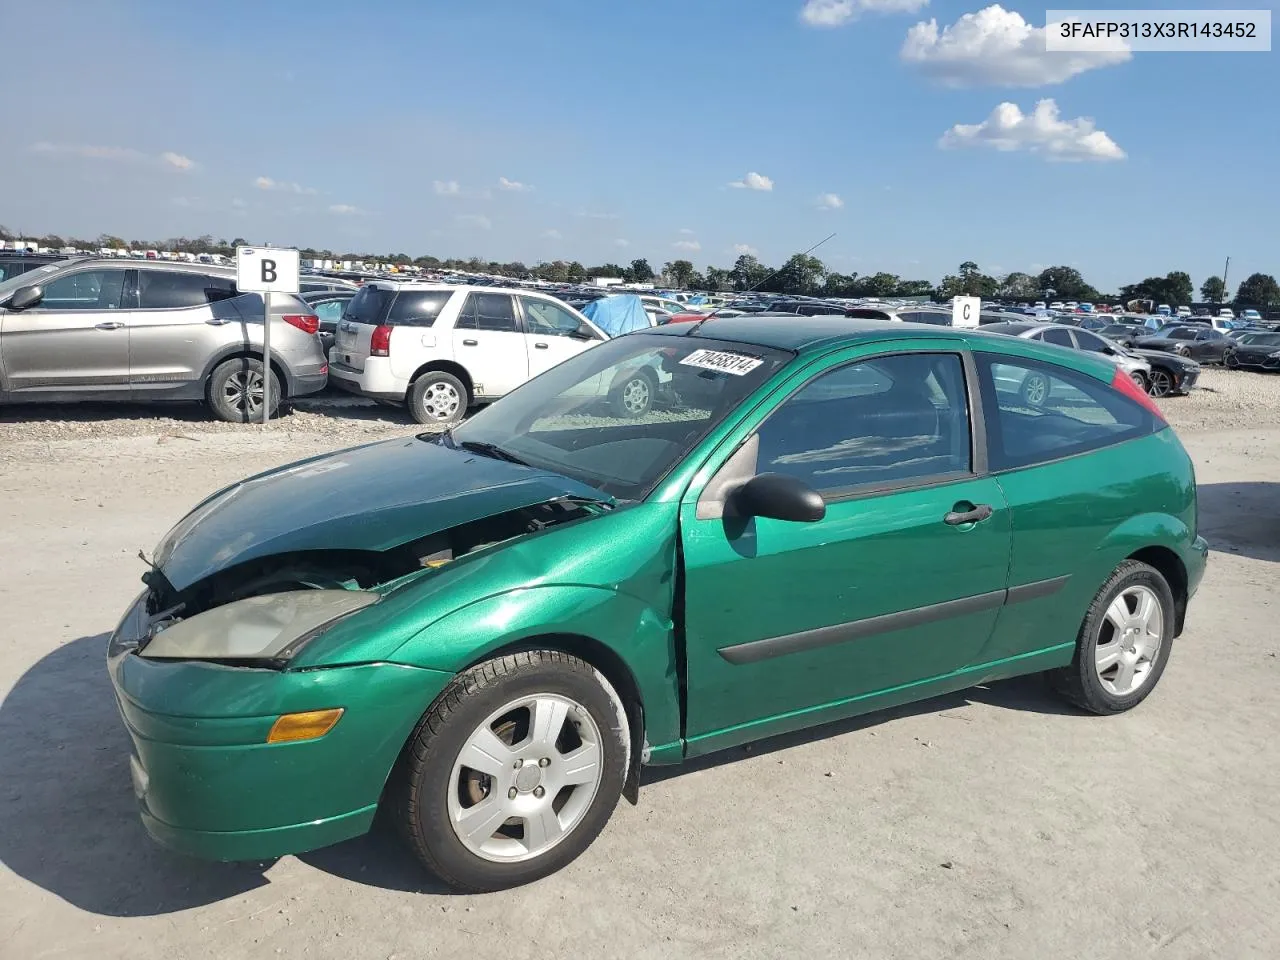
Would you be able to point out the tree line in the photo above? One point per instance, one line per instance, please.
(802, 274)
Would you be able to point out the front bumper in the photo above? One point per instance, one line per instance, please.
(209, 785)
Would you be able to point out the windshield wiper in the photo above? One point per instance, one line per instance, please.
(489, 450)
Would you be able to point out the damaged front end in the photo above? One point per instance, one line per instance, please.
(263, 611)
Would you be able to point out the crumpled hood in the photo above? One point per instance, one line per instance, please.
(374, 497)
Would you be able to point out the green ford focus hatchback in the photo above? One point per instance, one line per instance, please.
(487, 633)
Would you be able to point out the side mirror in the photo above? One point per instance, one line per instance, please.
(778, 497)
(25, 297)
(583, 333)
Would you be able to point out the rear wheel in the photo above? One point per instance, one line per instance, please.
(634, 396)
(1124, 643)
(514, 770)
(1182, 351)
(1161, 383)
(236, 390)
(1229, 359)
(437, 397)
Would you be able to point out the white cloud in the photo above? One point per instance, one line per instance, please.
(685, 231)
(553, 234)
(836, 13)
(284, 186)
(996, 47)
(185, 201)
(690, 245)
(830, 201)
(589, 215)
(238, 203)
(446, 188)
(621, 243)
(1042, 131)
(177, 160)
(753, 181)
(475, 219)
(515, 186)
(174, 161)
(745, 249)
(343, 209)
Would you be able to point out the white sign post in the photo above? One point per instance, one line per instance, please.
(964, 311)
(266, 270)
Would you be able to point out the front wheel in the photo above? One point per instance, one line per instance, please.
(1123, 645)
(1139, 380)
(635, 395)
(1229, 359)
(1161, 384)
(514, 770)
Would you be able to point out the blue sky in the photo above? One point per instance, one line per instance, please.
(402, 126)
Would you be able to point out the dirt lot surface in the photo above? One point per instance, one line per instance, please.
(994, 824)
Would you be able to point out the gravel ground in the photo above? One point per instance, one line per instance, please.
(991, 824)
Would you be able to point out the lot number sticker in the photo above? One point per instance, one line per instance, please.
(734, 363)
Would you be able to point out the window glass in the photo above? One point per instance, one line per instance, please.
(329, 312)
(863, 313)
(1045, 412)
(1183, 333)
(488, 311)
(369, 305)
(417, 308)
(85, 290)
(887, 420)
(1061, 337)
(544, 318)
(1087, 341)
(167, 289)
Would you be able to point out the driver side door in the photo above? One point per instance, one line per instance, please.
(552, 333)
(790, 624)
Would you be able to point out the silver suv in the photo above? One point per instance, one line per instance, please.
(90, 329)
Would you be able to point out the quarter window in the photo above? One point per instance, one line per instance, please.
(84, 290)
(1061, 337)
(890, 420)
(1039, 411)
(418, 308)
(488, 311)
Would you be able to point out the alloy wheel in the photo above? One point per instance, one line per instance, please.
(243, 391)
(440, 401)
(1129, 640)
(636, 396)
(1161, 383)
(525, 778)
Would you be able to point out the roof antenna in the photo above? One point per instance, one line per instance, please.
(757, 284)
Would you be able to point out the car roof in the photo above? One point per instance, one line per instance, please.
(799, 333)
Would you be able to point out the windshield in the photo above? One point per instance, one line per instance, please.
(37, 275)
(1261, 339)
(619, 416)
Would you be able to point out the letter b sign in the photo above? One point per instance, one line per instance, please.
(266, 270)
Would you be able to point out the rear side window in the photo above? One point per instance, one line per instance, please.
(370, 305)
(170, 289)
(1037, 412)
(415, 308)
(861, 313)
(1061, 337)
(488, 311)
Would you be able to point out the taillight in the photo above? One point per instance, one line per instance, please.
(380, 342)
(306, 322)
(1125, 384)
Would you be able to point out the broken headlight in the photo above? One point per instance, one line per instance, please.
(268, 627)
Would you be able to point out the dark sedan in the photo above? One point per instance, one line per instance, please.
(1197, 342)
(1125, 334)
(1258, 350)
(1171, 373)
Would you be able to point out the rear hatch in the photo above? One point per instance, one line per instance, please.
(366, 311)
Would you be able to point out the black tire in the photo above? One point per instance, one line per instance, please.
(634, 394)
(227, 394)
(419, 792)
(1034, 390)
(1230, 360)
(1182, 351)
(1140, 379)
(1080, 682)
(1161, 384)
(431, 400)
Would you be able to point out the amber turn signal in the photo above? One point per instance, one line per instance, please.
(303, 726)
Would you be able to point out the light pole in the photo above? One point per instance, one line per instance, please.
(1224, 279)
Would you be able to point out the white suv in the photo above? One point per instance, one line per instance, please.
(440, 349)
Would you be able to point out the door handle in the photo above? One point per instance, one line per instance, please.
(540, 346)
(958, 518)
(108, 325)
(470, 343)
(216, 321)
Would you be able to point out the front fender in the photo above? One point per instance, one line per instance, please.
(643, 639)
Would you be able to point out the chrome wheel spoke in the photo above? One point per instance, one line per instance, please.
(548, 717)
(1118, 613)
(1124, 675)
(478, 822)
(485, 752)
(542, 828)
(1108, 655)
(581, 765)
(1147, 610)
